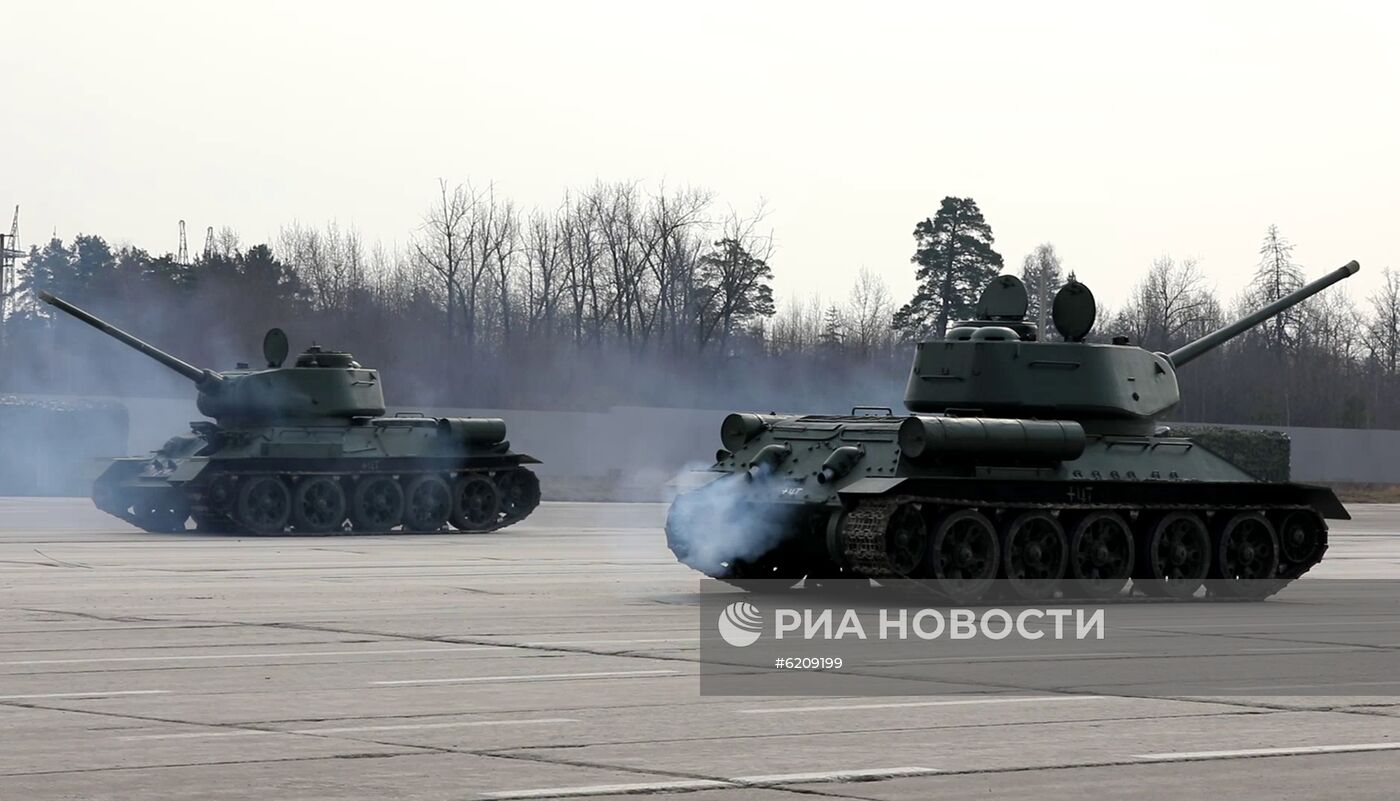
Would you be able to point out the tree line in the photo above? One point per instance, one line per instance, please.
(622, 294)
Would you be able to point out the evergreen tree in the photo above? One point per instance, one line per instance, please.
(164, 271)
(735, 288)
(80, 273)
(833, 329)
(94, 265)
(265, 276)
(1276, 276)
(49, 269)
(955, 260)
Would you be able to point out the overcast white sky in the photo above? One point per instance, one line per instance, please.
(1117, 131)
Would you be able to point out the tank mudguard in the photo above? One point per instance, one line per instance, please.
(872, 486)
(1325, 501)
(189, 469)
(1123, 494)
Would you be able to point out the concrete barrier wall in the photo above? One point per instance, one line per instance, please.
(635, 451)
(1353, 455)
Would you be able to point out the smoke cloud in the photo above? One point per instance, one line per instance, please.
(728, 526)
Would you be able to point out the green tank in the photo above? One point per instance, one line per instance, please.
(1037, 467)
(308, 448)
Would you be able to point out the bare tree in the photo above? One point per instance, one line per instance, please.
(227, 242)
(445, 243)
(1384, 328)
(1168, 303)
(1041, 271)
(869, 311)
(543, 246)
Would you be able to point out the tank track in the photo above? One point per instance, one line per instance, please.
(862, 530)
(201, 501)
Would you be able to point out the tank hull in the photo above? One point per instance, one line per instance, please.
(324, 479)
(1053, 511)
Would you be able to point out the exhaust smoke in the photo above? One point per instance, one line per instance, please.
(727, 527)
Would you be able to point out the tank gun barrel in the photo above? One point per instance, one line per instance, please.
(1210, 341)
(183, 368)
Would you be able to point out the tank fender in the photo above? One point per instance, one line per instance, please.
(189, 469)
(114, 471)
(872, 486)
(1324, 501)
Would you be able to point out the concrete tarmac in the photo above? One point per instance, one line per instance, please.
(555, 658)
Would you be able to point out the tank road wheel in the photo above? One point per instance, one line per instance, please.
(318, 505)
(1246, 558)
(964, 556)
(906, 539)
(427, 504)
(1177, 557)
(1033, 555)
(222, 494)
(520, 493)
(1300, 538)
(1100, 555)
(264, 504)
(377, 504)
(476, 503)
(219, 498)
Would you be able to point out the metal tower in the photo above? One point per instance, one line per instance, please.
(183, 257)
(9, 256)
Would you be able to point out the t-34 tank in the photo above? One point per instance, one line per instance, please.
(1041, 463)
(307, 447)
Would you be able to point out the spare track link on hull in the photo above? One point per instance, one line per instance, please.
(863, 527)
(863, 537)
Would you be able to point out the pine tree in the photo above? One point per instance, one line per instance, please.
(833, 329)
(955, 260)
(1276, 276)
(735, 288)
(49, 268)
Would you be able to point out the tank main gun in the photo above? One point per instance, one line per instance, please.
(1215, 339)
(180, 366)
(321, 387)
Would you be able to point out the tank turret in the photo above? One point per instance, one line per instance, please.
(993, 366)
(321, 384)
